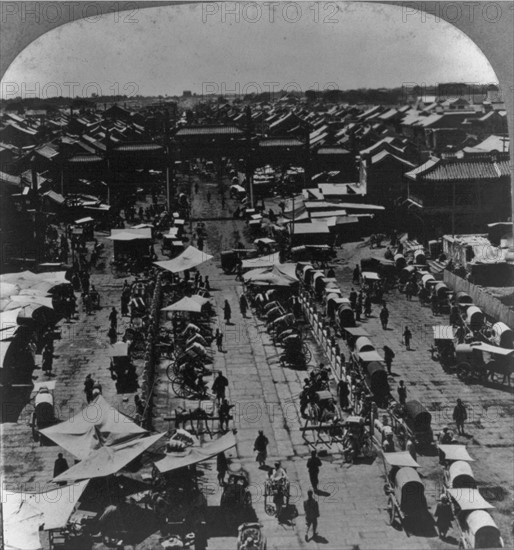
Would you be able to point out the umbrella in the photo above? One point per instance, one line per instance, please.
(191, 257)
(33, 299)
(107, 461)
(97, 425)
(185, 304)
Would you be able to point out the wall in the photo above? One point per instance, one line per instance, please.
(488, 303)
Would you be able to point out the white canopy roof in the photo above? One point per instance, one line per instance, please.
(470, 499)
(21, 522)
(185, 304)
(455, 452)
(53, 507)
(191, 257)
(402, 459)
(193, 455)
(269, 260)
(107, 461)
(97, 425)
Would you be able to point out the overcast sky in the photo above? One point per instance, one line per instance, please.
(204, 49)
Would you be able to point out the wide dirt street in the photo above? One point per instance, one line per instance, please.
(352, 501)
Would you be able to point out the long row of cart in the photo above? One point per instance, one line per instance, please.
(405, 490)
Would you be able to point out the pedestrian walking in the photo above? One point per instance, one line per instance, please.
(224, 414)
(219, 387)
(199, 244)
(209, 197)
(227, 312)
(48, 359)
(460, 415)
(402, 393)
(407, 336)
(313, 466)
(112, 335)
(243, 305)
(221, 467)
(444, 516)
(408, 291)
(311, 509)
(261, 447)
(219, 340)
(60, 465)
(384, 317)
(207, 284)
(113, 318)
(88, 388)
(388, 357)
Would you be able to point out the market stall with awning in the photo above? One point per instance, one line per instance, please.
(131, 242)
(108, 460)
(96, 426)
(185, 304)
(191, 257)
(194, 455)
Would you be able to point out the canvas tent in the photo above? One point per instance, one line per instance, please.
(185, 304)
(191, 257)
(107, 461)
(97, 425)
(24, 514)
(267, 261)
(194, 455)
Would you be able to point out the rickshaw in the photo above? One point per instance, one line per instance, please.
(502, 336)
(282, 324)
(301, 268)
(476, 526)
(294, 339)
(426, 285)
(356, 439)
(321, 283)
(293, 355)
(236, 491)
(44, 413)
(404, 489)
(345, 317)
(443, 348)
(237, 192)
(271, 488)
(250, 537)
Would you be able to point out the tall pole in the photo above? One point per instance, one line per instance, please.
(249, 160)
(453, 209)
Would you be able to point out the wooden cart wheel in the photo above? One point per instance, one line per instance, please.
(391, 509)
(170, 372)
(177, 384)
(269, 509)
